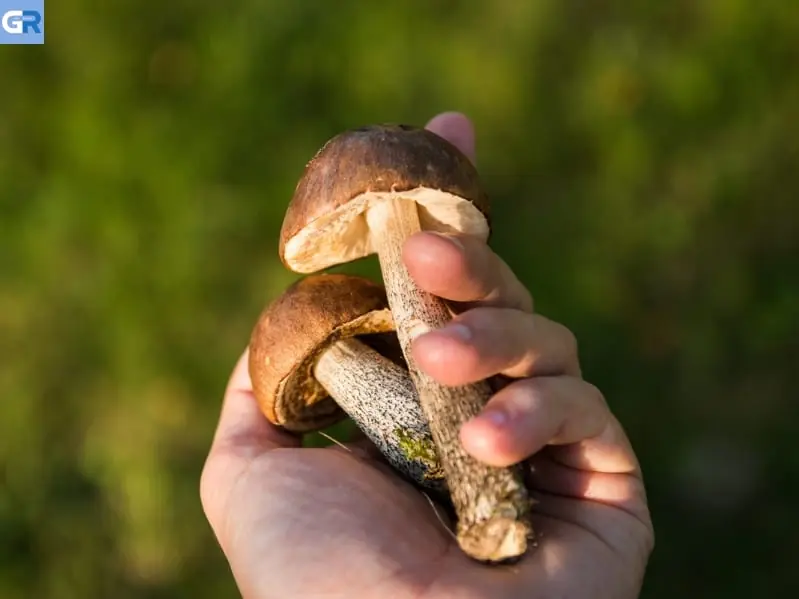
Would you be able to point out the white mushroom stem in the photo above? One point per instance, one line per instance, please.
(491, 504)
(380, 398)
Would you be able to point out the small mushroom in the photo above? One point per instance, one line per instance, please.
(314, 358)
(365, 192)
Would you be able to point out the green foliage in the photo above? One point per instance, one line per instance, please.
(642, 161)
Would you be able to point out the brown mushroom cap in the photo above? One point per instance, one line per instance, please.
(325, 223)
(294, 330)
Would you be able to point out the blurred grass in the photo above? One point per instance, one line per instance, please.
(642, 161)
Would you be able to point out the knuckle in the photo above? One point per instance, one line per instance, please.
(541, 386)
(528, 395)
(569, 341)
(524, 299)
(210, 494)
(595, 396)
(482, 320)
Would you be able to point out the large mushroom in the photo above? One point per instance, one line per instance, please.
(315, 355)
(365, 192)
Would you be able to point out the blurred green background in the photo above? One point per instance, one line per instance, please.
(642, 161)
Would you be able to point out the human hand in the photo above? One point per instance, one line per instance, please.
(336, 522)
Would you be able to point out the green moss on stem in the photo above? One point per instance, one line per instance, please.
(421, 450)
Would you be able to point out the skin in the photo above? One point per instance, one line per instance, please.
(336, 523)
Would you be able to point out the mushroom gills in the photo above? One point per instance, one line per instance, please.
(345, 234)
(380, 398)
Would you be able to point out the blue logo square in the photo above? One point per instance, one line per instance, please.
(21, 21)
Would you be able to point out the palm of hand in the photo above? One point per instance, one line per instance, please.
(373, 534)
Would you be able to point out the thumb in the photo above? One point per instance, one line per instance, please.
(242, 435)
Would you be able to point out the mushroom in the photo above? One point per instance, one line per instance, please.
(314, 359)
(366, 191)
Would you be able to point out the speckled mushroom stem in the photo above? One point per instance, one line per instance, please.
(492, 504)
(353, 374)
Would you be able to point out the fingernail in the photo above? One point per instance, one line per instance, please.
(450, 238)
(457, 331)
(417, 328)
(497, 418)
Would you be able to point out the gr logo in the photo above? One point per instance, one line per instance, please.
(21, 21)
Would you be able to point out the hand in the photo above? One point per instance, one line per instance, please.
(335, 522)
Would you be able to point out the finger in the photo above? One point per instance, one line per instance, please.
(622, 490)
(612, 526)
(610, 451)
(530, 414)
(457, 129)
(484, 342)
(242, 427)
(463, 269)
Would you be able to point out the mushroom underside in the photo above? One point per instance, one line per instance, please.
(302, 404)
(344, 235)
